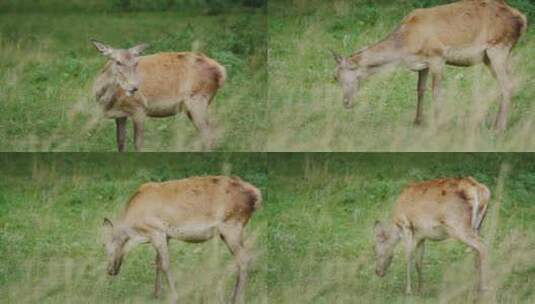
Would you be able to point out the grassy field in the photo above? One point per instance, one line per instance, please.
(322, 207)
(47, 67)
(306, 103)
(51, 212)
(311, 243)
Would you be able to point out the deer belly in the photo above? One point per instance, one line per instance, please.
(193, 233)
(433, 232)
(163, 108)
(464, 57)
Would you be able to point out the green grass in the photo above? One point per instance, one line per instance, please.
(306, 103)
(47, 67)
(312, 241)
(322, 208)
(204, 6)
(51, 211)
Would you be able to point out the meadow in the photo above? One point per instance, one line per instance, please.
(322, 209)
(51, 213)
(47, 67)
(306, 102)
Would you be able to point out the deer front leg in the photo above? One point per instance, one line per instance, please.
(138, 133)
(158, 282)
(436, 72)
(409, 254)
(121, 133)
(159, 242)
(232, 236)
(422, 81)
(420, 249)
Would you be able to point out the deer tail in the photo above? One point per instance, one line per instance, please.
(481, 217)
(255, 196)
(221, 75)
(475, 209)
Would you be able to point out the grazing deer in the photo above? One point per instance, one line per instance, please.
(462, 34)
(157, 85)
(192, 210)
(434, 210)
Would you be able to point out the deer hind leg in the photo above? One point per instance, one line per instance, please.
(158, 282)
(420, 249)
(121, 133)
(197, 111)
(159, 241)
(422, 81)
(498, 62)
(472, 240)
(232, 236)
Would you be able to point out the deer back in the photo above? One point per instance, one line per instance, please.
(213, 199)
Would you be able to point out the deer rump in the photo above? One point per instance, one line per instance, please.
(444, 199)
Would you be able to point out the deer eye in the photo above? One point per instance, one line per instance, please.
(118, 63)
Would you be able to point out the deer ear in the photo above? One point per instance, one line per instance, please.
(382, 236)
(138, 49)
(104, 49)
(107, 223)
(337, 57)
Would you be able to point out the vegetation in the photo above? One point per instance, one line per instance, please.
(47, 67)
(51, 212)
(206, 6)
(306, 102)
(313, 238)
(321, 212)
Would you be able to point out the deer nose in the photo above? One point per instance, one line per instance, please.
(131, 91)
(113, 272)
(380, 273)
(347, 103)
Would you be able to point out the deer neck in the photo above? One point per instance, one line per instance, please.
(105, 86)
(394, 235)
(379, 57)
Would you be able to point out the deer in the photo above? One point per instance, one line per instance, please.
(461, 34)
(434, 210)
(157, 85)
(192, 210)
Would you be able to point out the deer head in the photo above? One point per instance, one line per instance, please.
(115, 240)
(386, 239)
(123, 65)
(348, 75)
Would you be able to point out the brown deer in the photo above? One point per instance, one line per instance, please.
(434, 210)
(191, 210)
(157, 85)
(462, 34)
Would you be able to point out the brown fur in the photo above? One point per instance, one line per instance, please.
(166, 77)
(192, 197)
(158, 85)
(464, 33)
(192, 210)
(434, 210)
(427, 32)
